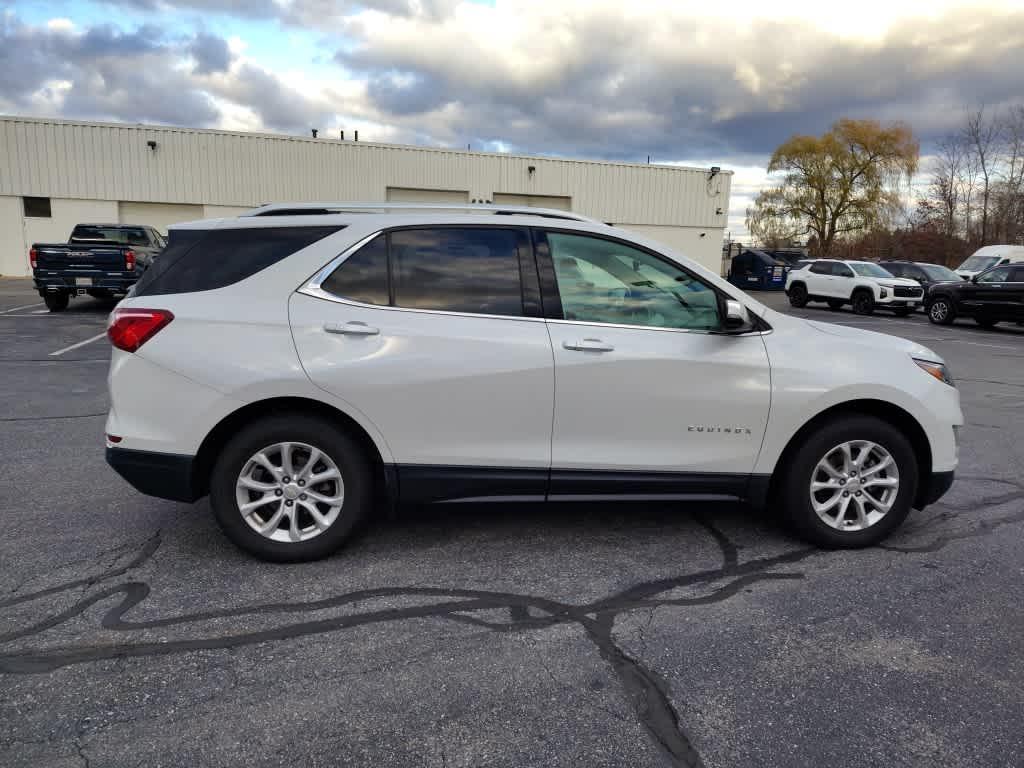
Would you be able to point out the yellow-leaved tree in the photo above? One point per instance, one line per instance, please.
(845, 181)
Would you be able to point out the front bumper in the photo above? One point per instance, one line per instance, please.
(164, 475)
(934, 488)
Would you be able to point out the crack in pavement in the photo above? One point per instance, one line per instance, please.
(647, 692)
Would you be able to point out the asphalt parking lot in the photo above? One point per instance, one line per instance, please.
(133, 634)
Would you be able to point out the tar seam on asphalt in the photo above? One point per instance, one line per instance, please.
(647, 692)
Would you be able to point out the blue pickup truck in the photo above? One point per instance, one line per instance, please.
(102, 260)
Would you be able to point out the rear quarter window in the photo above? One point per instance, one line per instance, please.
(202, 260)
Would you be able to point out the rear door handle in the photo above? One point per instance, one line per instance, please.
(588, 345)
(352, 328)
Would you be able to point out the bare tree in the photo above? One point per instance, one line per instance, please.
(946, 184)
(982, 134)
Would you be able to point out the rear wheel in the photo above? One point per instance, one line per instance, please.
(798, 296)
(863, 302)
(941, 311)
(986, 322)
(290, 488)
(850, 484)
(835, 304)
(57, 301)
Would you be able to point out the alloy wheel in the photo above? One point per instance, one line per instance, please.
(939, 311)
(854, 485)
(290, 492)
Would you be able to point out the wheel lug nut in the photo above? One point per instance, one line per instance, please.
(858, 493)
(846, 493)
(288, 503)
(302, 496)
(286, 479)
(278, 492)
(842, 482)
(302, 483)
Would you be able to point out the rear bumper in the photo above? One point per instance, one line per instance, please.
(934, 488)
(164, 475)
(83, 280)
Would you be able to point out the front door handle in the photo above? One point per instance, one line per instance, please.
(588, 345)
(352, 328)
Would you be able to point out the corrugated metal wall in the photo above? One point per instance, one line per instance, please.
(51, 158)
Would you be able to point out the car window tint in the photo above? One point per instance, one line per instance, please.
(1000, 275)
(821, 267)
(603, 281)
(201, 260)
(363, 276)
(1017, 276)
(841, 270)
(458, 269)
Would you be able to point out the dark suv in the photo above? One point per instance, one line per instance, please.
(926, 274)
(991, 297)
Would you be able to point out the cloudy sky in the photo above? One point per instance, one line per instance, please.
(707, 83)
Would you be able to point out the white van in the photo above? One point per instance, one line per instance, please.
(988, 257)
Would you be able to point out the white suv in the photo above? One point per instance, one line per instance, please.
(307, 366)
(864, 285)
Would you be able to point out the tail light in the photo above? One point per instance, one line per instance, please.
(32, 257)
(129, 260)
(129, 329)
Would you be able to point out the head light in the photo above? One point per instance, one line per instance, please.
(938, 370)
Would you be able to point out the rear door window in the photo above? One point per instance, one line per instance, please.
(457, 269)
(822, 267)
(363, 276)
(202, 260)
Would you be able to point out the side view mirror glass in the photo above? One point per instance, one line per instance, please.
(736, 316)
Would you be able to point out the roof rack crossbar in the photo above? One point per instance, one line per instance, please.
(314, 209)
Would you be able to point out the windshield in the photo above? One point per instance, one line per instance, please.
(866, 269)
(979, 263)
(113, 235)
(937, 273)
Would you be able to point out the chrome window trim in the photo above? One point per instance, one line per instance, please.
(313, 287)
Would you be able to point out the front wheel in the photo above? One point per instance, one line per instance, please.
(941, 311)
(290, 488)
(863, 303)
(56, 301)
(850, 484)
(798, 296)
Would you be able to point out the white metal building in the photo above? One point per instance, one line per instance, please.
(57, 173)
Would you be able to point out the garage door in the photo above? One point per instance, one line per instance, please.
(158, 215)
(409, 195)
(534, 201)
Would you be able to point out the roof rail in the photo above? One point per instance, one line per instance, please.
(315, 209)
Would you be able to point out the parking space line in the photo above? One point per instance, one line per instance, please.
(79, 344)
(41, 312)
(24, 306)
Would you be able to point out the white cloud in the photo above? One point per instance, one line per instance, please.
(60, 25)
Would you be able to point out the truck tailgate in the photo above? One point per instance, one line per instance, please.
(80, 257)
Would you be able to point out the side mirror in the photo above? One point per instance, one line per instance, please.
(736, 316)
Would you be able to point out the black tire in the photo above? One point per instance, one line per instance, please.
(986, 322)
(56, 302)
(798, 296)
(941, 311)
(794, 485)
(345, 452)
(863, 302)
(902, 312)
